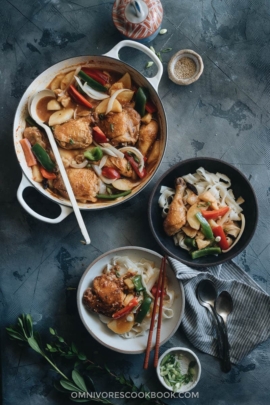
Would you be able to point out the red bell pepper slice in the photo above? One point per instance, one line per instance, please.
(150, 107)
(46, 174)
(99, 135)
(96, 75)
(223, 243)
(110, 173)
(135, 166)
(78, 97)
(127, 309)
(215, 213)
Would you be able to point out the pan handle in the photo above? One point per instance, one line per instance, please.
(113, 53)
(65, 211)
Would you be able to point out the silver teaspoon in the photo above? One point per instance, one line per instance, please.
(224, 306)
(206, 294)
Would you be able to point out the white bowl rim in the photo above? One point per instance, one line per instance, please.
(176, 349)
(139, 248)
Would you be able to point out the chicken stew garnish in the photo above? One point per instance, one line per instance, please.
(107, 132)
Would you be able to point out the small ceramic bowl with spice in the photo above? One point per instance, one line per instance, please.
(185, 67)
(179, 369)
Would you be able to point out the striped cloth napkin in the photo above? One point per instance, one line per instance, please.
(248, 324)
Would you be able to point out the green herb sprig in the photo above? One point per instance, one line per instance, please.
(23, 333)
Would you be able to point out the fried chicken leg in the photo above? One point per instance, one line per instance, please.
(177, 215)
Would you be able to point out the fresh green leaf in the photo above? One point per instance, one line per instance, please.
(149, 64)
(106, 368)
(60, 339)
(166, 50)
(16, 335)
(69, 386)
(59, 387)
(34, 344)
(52, 331)
(29, 325)
(49, 346)
(74, 348)
(82, 356)
(90, 383)
(78, 379)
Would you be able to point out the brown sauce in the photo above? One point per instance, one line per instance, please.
(42, 111)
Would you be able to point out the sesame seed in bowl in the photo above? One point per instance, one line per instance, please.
(185, 67)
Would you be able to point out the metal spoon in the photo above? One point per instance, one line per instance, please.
(224, 306)
(206, 295)
(33, 112)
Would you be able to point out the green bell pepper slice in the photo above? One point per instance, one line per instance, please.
(112, 196)
(205, 227)
(137, 281)
(205, 252)
(140, 101)
(144, 309)
(93, 154)
(92, 83)
(190, 242)
(43, 157)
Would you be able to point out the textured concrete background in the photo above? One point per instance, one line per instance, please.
(226, 114)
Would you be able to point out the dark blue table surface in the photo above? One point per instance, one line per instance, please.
(226, 114)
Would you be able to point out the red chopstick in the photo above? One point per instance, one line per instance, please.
(149, 341)
(160, 315)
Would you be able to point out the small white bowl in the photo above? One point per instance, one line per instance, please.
(188, 356)
(185, 53)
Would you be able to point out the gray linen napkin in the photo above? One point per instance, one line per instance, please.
(248, 324)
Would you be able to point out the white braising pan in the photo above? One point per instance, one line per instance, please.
(109, 61)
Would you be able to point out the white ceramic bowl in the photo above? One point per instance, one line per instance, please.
(188, 356)
(100, 331)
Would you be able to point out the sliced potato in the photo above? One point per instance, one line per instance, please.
(207, 196)
(191, 219)
(147, 118)
(115, 86)
(53, 105)
(125, 96)
(55, 84)
(192, 198)
(67, 79)
(102, 107)
(59, 117)
(37, 176)
(128, 298)
(202, 243)
(129, 283)
(125, 184)
(120, 325)
(189, 231)
(126, 80)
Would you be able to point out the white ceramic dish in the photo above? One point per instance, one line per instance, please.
(100, 331)
(108, 61)
(188, 356)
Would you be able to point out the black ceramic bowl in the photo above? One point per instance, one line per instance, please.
(240, 186)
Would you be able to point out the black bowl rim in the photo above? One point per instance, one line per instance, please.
(187, 262)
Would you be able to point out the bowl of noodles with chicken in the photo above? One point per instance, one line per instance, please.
(115, 299)
(203, 212)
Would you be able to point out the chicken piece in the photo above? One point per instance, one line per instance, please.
(177, 215)
(84, 183)
(121, 164)
(154, 154)
(147, 136)
(34, 135)
(121, 127)
(106, 296)
(74, 134)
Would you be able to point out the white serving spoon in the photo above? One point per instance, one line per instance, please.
(33, 112)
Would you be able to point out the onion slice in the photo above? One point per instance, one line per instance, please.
(102, 187)
(105, 150)
(103, 161)
(137, 153)
(117, 152)
(113, 97)
(96, 95)
(243, 223)
(79, 165)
